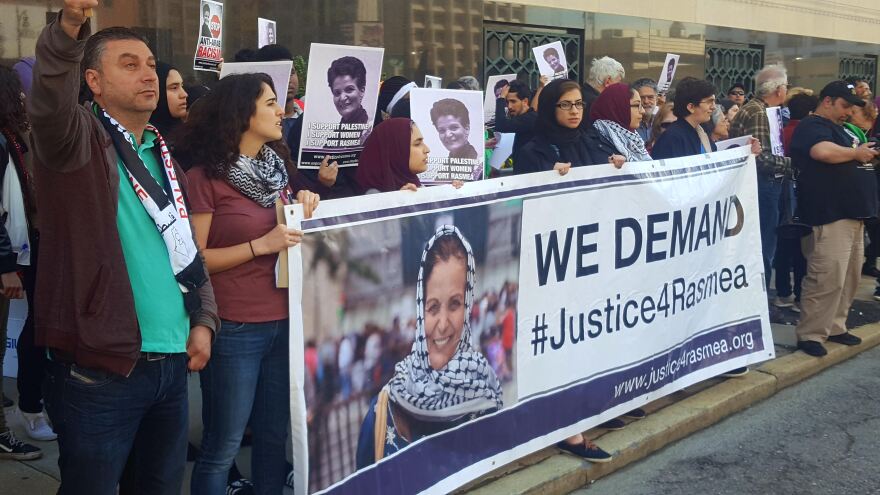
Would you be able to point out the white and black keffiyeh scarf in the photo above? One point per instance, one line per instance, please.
(628, 143)
(261, 178)
(164, 203)
(467, 384)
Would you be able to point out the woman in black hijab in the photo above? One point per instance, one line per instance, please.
(172, 106)
(559, 141)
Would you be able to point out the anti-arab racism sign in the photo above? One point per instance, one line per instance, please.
(208, 53)
(442, 345)
(451, 122)
(343, 87)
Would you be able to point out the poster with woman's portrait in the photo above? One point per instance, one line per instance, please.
(266, 34)
(667, 74)
(210, 40)
(409, 326)
(342, 87)
(551, 60)
(450, 121)
(494, 86)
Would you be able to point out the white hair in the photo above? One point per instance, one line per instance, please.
(603, 68)
(769, 79)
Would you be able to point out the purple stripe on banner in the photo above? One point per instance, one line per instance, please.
(601, 182)
(421, 466)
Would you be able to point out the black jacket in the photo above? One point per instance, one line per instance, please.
(539, 155)
(523, 126)
(679, 139)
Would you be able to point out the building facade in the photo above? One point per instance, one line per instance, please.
(723, 40)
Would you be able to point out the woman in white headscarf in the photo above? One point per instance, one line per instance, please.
(427, 393)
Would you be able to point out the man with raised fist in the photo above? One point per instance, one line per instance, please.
(127, 305)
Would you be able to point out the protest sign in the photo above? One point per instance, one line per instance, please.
(503, 149)
(266, 32)
(667, 74)
(774, 118)
(279, 72)
(18, 312)
(433, 82)
(343, 87)
(449, 121)
(734, 143)
(494, 85)
(551, 60)
(210, 40)
(554, 317)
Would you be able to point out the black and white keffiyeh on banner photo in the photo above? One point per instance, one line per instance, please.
(467, 383)
(261, 178)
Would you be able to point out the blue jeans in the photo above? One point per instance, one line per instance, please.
(101, 417)
(769, 194)
(247, 378)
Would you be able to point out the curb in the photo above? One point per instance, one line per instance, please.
(549, 471)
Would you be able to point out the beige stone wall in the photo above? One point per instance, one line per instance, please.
(851, 20)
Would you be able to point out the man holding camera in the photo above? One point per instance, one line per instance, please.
(837, 191)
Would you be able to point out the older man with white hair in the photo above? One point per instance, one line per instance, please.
(771, 85)
(604, 72)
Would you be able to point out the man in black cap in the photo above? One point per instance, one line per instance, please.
(737, 93)
(837, 190)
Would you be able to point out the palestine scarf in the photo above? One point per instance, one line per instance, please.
(626, 142)
(611, 115)
(165, 205)
(261, 178)
(466, 384)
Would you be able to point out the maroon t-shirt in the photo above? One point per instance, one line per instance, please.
(247, 292)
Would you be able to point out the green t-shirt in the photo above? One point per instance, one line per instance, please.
(163, 320)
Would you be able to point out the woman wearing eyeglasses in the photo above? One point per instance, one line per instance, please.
(694, 104)
(616, 114)
(559, 141)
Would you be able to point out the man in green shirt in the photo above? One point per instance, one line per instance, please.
(127, 307)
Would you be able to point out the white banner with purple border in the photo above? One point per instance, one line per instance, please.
(631, 284)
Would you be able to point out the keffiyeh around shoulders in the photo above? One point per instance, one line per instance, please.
(628, 143)
(261, 178)
(467, 384)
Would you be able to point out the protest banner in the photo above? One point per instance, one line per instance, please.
(266, 34)
(667, 74)
(208, 48)
(433, 82)
(343, 87)
(734, 142)
(449, 121)
(494, 85)
(774, 118)
(279, 71)
(552, 317)
(551, 60)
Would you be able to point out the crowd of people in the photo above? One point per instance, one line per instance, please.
(150, 206)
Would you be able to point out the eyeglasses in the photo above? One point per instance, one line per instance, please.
(737, 93)
(633, 105)
(568, 105)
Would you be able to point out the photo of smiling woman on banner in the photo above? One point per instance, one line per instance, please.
(444, 381)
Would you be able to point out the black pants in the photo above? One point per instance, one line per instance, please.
(789, 258)
(31, 359)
